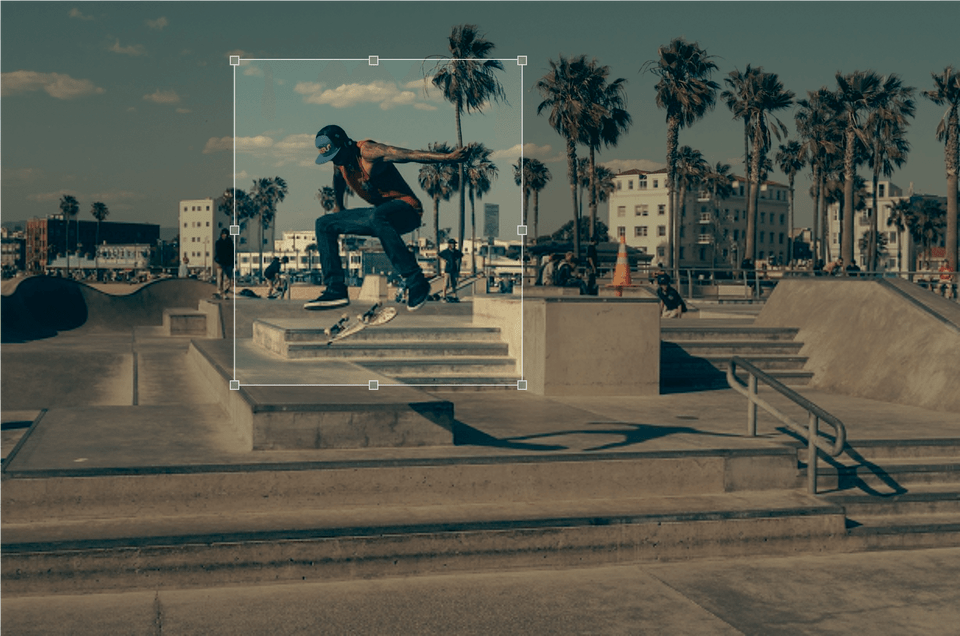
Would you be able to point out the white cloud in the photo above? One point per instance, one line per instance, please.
(531, 150)
(19, 175)
(244, 144)
(56, 85)
(251, 69)
(386, 94)
(184, 110)
(163, 97)
(78, 15)
(158, 24)
(134, 49)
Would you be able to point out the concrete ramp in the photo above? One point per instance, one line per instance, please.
(43, 306)
(876, 339)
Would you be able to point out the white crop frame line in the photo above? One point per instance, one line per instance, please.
(367, 59)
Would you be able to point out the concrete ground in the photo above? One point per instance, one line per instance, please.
(908, 592)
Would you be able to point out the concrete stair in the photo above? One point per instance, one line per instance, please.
(695, 355)
(898, 493)
(447, 357)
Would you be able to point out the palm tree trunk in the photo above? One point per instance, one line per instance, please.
(951, 164)
(436, 232)
(874, 222)
(572, 170)
(536, 213)
(593, 195)
(473, 235)
(673, 136)
(846, 233)
(96, 252)
(753, 192)
(463, 184)
(815, 247)
(824, 222)
(681, 212)
(790, 223)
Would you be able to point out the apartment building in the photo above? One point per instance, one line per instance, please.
(712, 234)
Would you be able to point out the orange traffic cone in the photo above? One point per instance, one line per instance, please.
(621, 275)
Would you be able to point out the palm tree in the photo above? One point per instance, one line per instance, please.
(69, 207)
(612, 123)
(327, 199)
(480, 173)
(686, 92)
(691, 168)
(899, 218)
(719, 183)
(736, 98)
(439, 180)
(538, 175)
(927, 223)
(871, 240)
(947, 91)
(819, 131)
(311, 250)
(857, 94)
(265, 195)
(467, 81)
(764, 95)
(100, 212)
(791, 159)
(565, 92)
(886, 126)
(521, 176)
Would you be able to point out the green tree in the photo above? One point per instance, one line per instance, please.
(719, 183)
(566, 95)
(899, 219)
(686, 92)
(100, 212)
(326, 197)
(927, 224)
(264, 197)
(480, 173)
(521, 176)
(946, 91)
(439, 180)
(467, 81)
(819, 131)
(69, 207)
(791, 159)
(737, 97)
(857, 94)
(691, 168)
(886, 128)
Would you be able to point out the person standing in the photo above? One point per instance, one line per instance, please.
(223, 255)
(452, 259)
(368, 168)
(184, 270)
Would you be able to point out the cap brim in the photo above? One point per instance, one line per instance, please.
(324, 158)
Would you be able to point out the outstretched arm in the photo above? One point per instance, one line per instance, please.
(374, 152)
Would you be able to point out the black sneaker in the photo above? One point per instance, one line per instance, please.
(417, 294)
(332, 297)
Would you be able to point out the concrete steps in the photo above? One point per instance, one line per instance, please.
(695, 355)
(899, 493)
(429, 356)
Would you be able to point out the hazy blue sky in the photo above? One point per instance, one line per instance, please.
(130, 103)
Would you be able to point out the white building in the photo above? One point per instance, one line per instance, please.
(711, 234)
(200, 223)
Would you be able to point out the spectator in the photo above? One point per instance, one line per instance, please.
(548, 272)
(223, 256)
(946, 285)
(834, 268)
(452, 259)
(184, 270)
(566, 274)
(853, 269)
(592, 259)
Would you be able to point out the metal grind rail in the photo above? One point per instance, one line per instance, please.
(814, 415)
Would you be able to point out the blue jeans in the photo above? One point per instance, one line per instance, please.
(386, 222)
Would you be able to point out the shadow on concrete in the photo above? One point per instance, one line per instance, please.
(632, 435)
(466, 435)
(681, 372)
(44, 306)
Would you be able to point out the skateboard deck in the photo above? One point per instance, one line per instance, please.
(347, 326)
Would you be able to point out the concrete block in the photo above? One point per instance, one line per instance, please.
(181, 321)
(374, 288)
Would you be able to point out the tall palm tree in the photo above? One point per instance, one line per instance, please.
(947, 91)
(927, 224)
(468, 82)
(691, 168)
(521, 176)
(886, 127)
(69, 207)
(686, 92)
(327, 198)
(265, 195)
(566, 94)
(791, 159)
(818, 128)
(857, 94)
(439, 180)
(607, 129)
(765, 95)
(719, 183)
(100, 212)
(311, 250)
(480, 174)
(538, 175)
(736, 97)
(899, 219)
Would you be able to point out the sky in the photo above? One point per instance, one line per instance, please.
(134, 103)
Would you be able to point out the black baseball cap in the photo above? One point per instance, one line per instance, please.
(329, 141)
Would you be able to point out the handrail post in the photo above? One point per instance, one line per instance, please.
(752, 408)
(813, 423)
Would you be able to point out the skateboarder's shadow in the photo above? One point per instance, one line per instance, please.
(630, 433)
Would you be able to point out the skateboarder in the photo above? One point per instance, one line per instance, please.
(452, 258)
(223, 256)
(367, 167)
(671, 304)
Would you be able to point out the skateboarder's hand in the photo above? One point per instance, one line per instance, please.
(458, 155)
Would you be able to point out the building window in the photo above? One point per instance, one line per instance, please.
(761, 237)
(656, 183)
(682, 256)
(630, 184)
(761, 256)
(621, 210)
(781, 238)
(736, 235)
(736, 215)
(741, 190)
(661, 230)
(619, 185)
(703, 253)
(621, 231)
(880, 190)
(771, 238)
(661, 251)
(661, 209)
(208, 208)
(783, 219)
(640, 230)
(642, 181)
(208, 223)
(681, 231)
(641, 210)
(763, 217)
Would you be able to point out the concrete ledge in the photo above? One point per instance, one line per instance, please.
(183, 321)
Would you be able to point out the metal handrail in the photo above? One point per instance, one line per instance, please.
(814, 415)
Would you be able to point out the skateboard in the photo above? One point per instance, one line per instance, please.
(347, 326)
